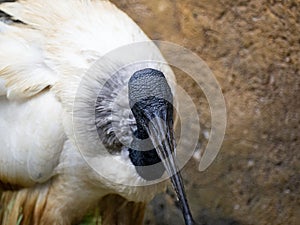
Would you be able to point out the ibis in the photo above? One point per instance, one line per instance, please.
(86, 114)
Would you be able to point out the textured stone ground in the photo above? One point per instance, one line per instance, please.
(253, 48)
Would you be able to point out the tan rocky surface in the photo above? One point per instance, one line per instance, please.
(253, 48)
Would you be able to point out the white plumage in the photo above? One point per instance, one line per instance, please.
(43, 60)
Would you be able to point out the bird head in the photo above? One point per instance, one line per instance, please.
(131, 139)
(153, 148)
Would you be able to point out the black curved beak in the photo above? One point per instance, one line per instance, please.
(151, 102)
(162, 136)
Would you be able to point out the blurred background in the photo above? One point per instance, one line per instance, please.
(253, 48)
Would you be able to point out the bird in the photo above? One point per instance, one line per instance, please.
(86, 114)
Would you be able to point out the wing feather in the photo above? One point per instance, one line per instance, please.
(31, 138)
(22, 66)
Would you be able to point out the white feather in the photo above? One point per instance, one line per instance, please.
(42, 67)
